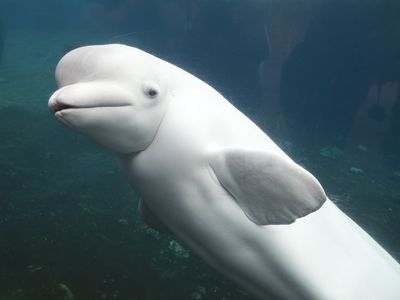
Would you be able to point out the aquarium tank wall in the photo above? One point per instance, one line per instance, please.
(322, 78)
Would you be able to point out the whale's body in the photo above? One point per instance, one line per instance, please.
(204, 174)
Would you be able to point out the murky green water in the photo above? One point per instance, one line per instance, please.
(308, 73)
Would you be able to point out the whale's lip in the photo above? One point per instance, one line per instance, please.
(56, 106)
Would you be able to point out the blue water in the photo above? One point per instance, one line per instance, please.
(322, 78)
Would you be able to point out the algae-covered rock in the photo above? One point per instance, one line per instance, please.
(199, 293)
(196, 296)
(178, 250)
(331, 152)
(356, 170)
(362, 148)
(152, 232)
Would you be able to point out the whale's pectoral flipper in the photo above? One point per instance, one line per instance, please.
(269, 187)
(150, 218)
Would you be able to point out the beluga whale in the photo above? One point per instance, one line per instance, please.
(217, 181)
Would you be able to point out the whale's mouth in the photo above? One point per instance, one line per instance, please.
(56, 107)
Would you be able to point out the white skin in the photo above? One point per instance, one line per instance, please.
(165, 126)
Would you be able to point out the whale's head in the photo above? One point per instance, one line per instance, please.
(114, 94)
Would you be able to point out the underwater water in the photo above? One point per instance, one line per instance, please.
(321, 78)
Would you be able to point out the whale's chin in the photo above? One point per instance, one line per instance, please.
(117, 127)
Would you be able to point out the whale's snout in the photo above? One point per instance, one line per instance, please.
(52, 104)
(55, 105)
(90, 95)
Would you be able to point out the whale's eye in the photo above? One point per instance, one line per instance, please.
(151, 92)
(151, 89)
